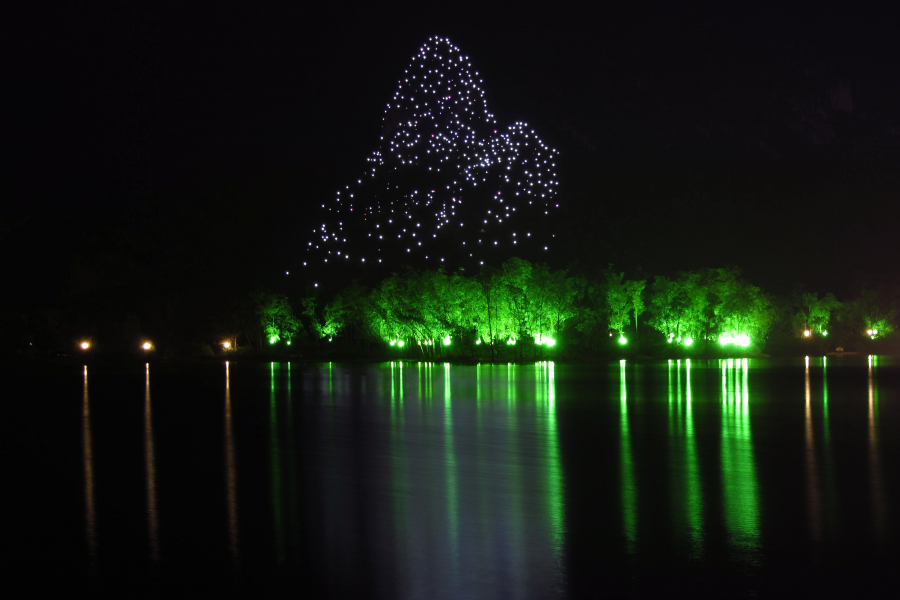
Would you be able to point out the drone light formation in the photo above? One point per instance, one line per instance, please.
(446, 184)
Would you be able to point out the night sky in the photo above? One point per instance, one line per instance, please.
(201, 142)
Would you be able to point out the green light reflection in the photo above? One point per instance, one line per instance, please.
(275, 470)
(451, 469)
(741, 493)
(812, 470)
(555, 499)
(879, 508)
(686, 474)
(694, 488)
(629, 486)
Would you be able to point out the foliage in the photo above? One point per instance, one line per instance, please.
(276, 316)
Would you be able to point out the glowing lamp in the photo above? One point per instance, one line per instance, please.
(393, 342)
(400, 343)
(825, 333)
(274, 339)
(622, 340)
(478, 341)
(289, 342)
(806, 333)
(688, 341)
(85, 345)
(226, 345)
(869, 332)
(742, 340)
(146, 345)
(447, 341)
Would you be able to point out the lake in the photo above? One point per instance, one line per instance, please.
(737, 478)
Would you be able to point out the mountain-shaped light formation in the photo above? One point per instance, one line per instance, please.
(447, 186)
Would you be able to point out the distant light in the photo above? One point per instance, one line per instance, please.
(447, 341)
(869, 332)
(226, 345)
(688, 341)
(806, 332)
(478, 341)
(622, 340)
(146, 345)
(401, 343)
(511, 341)
(273, 339)
(288, 342)
(85, 345)
(825, 333)
(287, 273)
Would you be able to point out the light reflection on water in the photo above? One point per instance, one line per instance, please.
(231, 481)
(812, 469)
(90, 510)
(875, 476)
(739, 486)
(150, 470)
(434, 480)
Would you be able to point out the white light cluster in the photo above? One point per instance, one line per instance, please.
(445, 179)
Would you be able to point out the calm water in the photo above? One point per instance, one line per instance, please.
(726, 478)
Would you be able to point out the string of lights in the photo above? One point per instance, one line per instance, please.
(446, 186)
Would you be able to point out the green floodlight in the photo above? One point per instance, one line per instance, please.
(825, 333)
(543, 340)
(622, 340)
(478, 341)
(688, 341)
(447, 341)
(273, 339)
(678, 339)
(742, 340)
(401, 343)
(288, 342)
(511, 342)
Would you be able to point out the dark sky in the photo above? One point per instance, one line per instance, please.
(770, 141)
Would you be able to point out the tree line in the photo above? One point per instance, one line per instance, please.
(524, 310)
(517, 311)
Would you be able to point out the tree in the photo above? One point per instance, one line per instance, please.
(617, 301)
(636, 293)
(276, 316)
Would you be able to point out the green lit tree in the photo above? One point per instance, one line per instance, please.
(664, 309)
(814, 313)
(636, 295)
(617, 301)
(276, 316)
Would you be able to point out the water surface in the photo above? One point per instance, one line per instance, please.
(427, 480)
